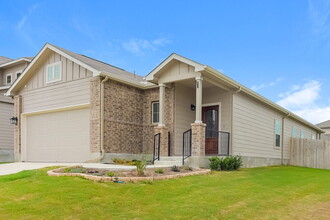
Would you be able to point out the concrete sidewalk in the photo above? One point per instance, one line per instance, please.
(10, 168)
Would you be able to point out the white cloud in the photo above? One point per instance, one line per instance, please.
(302, 100)
(266, 85)
(21, 23)
(301, 96)
(141, 46)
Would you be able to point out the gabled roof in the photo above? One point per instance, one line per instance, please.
(98, 68)
(325, 124)
(4, 59)
(174, 56)
(15, 62)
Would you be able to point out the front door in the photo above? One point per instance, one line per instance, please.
(211, 119)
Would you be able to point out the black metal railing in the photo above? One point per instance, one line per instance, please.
(186, 147)
(156, 147)
(224, 143)
(222, 139)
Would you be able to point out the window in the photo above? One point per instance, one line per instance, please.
(313, 136)
(53, 72)
(278, 129)
(294, 132)
(8, 79)
(18, 74)
(302, 134)
(155, 112)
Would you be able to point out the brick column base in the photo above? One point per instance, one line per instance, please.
(163, 139)
(198, 139)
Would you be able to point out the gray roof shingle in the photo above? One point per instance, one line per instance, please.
(325, 124)
(101, 66)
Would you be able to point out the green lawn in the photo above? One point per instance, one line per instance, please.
(258, 193)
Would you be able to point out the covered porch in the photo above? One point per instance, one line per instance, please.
(202, 113)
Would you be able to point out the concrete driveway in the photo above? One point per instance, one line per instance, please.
(10, 168)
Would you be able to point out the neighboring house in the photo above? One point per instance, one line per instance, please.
(72, 108)
(9, 71)
(325, 126)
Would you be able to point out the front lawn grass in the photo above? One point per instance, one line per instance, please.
(280, 192)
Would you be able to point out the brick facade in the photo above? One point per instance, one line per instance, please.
(17, 130)
(198, 139)
(127, 118)
(95, 114)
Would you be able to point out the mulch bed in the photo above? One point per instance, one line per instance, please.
(125, 175)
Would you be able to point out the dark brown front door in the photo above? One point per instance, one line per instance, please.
(211, 119)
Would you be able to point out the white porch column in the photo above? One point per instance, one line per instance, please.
(161, 105)
(199, 88)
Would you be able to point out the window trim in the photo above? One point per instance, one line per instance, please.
(280, 134)
(152, 112)
(11, 79)
(52, 65)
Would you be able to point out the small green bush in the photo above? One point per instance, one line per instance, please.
(160, 171)
(187, 168)
(175, 168)
(111, 174)
(226, 163)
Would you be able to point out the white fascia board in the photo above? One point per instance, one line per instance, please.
(198, 67)
(14, 61)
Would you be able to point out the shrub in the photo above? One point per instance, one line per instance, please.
(111, 174)
(187, 168)
(160, 171)
(226, 163)
(141, 166)
(124, 161)
(175, 168)
(214, 163)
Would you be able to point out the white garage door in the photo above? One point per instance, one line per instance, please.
(58, 136)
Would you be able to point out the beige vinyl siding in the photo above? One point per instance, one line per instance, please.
(176, 70)
(70, 72)
(184, 116)
(218, 95)
(6, 129)
(12, 70)
(253, 128)
(4, 98)
(56, 96)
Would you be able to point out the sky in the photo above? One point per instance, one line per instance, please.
(278, 48)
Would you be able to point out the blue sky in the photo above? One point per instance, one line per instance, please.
(279, 48)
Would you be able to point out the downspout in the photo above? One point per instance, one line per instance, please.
(102, 122)
(282, 141)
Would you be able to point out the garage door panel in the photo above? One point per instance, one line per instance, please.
(58, 136)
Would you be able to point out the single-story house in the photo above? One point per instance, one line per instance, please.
(10, 70)
(72, 108)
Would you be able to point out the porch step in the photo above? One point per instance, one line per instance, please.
(170, 161)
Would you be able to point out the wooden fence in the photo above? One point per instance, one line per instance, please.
(310, 153)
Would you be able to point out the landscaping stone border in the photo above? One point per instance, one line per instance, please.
(55, 172)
